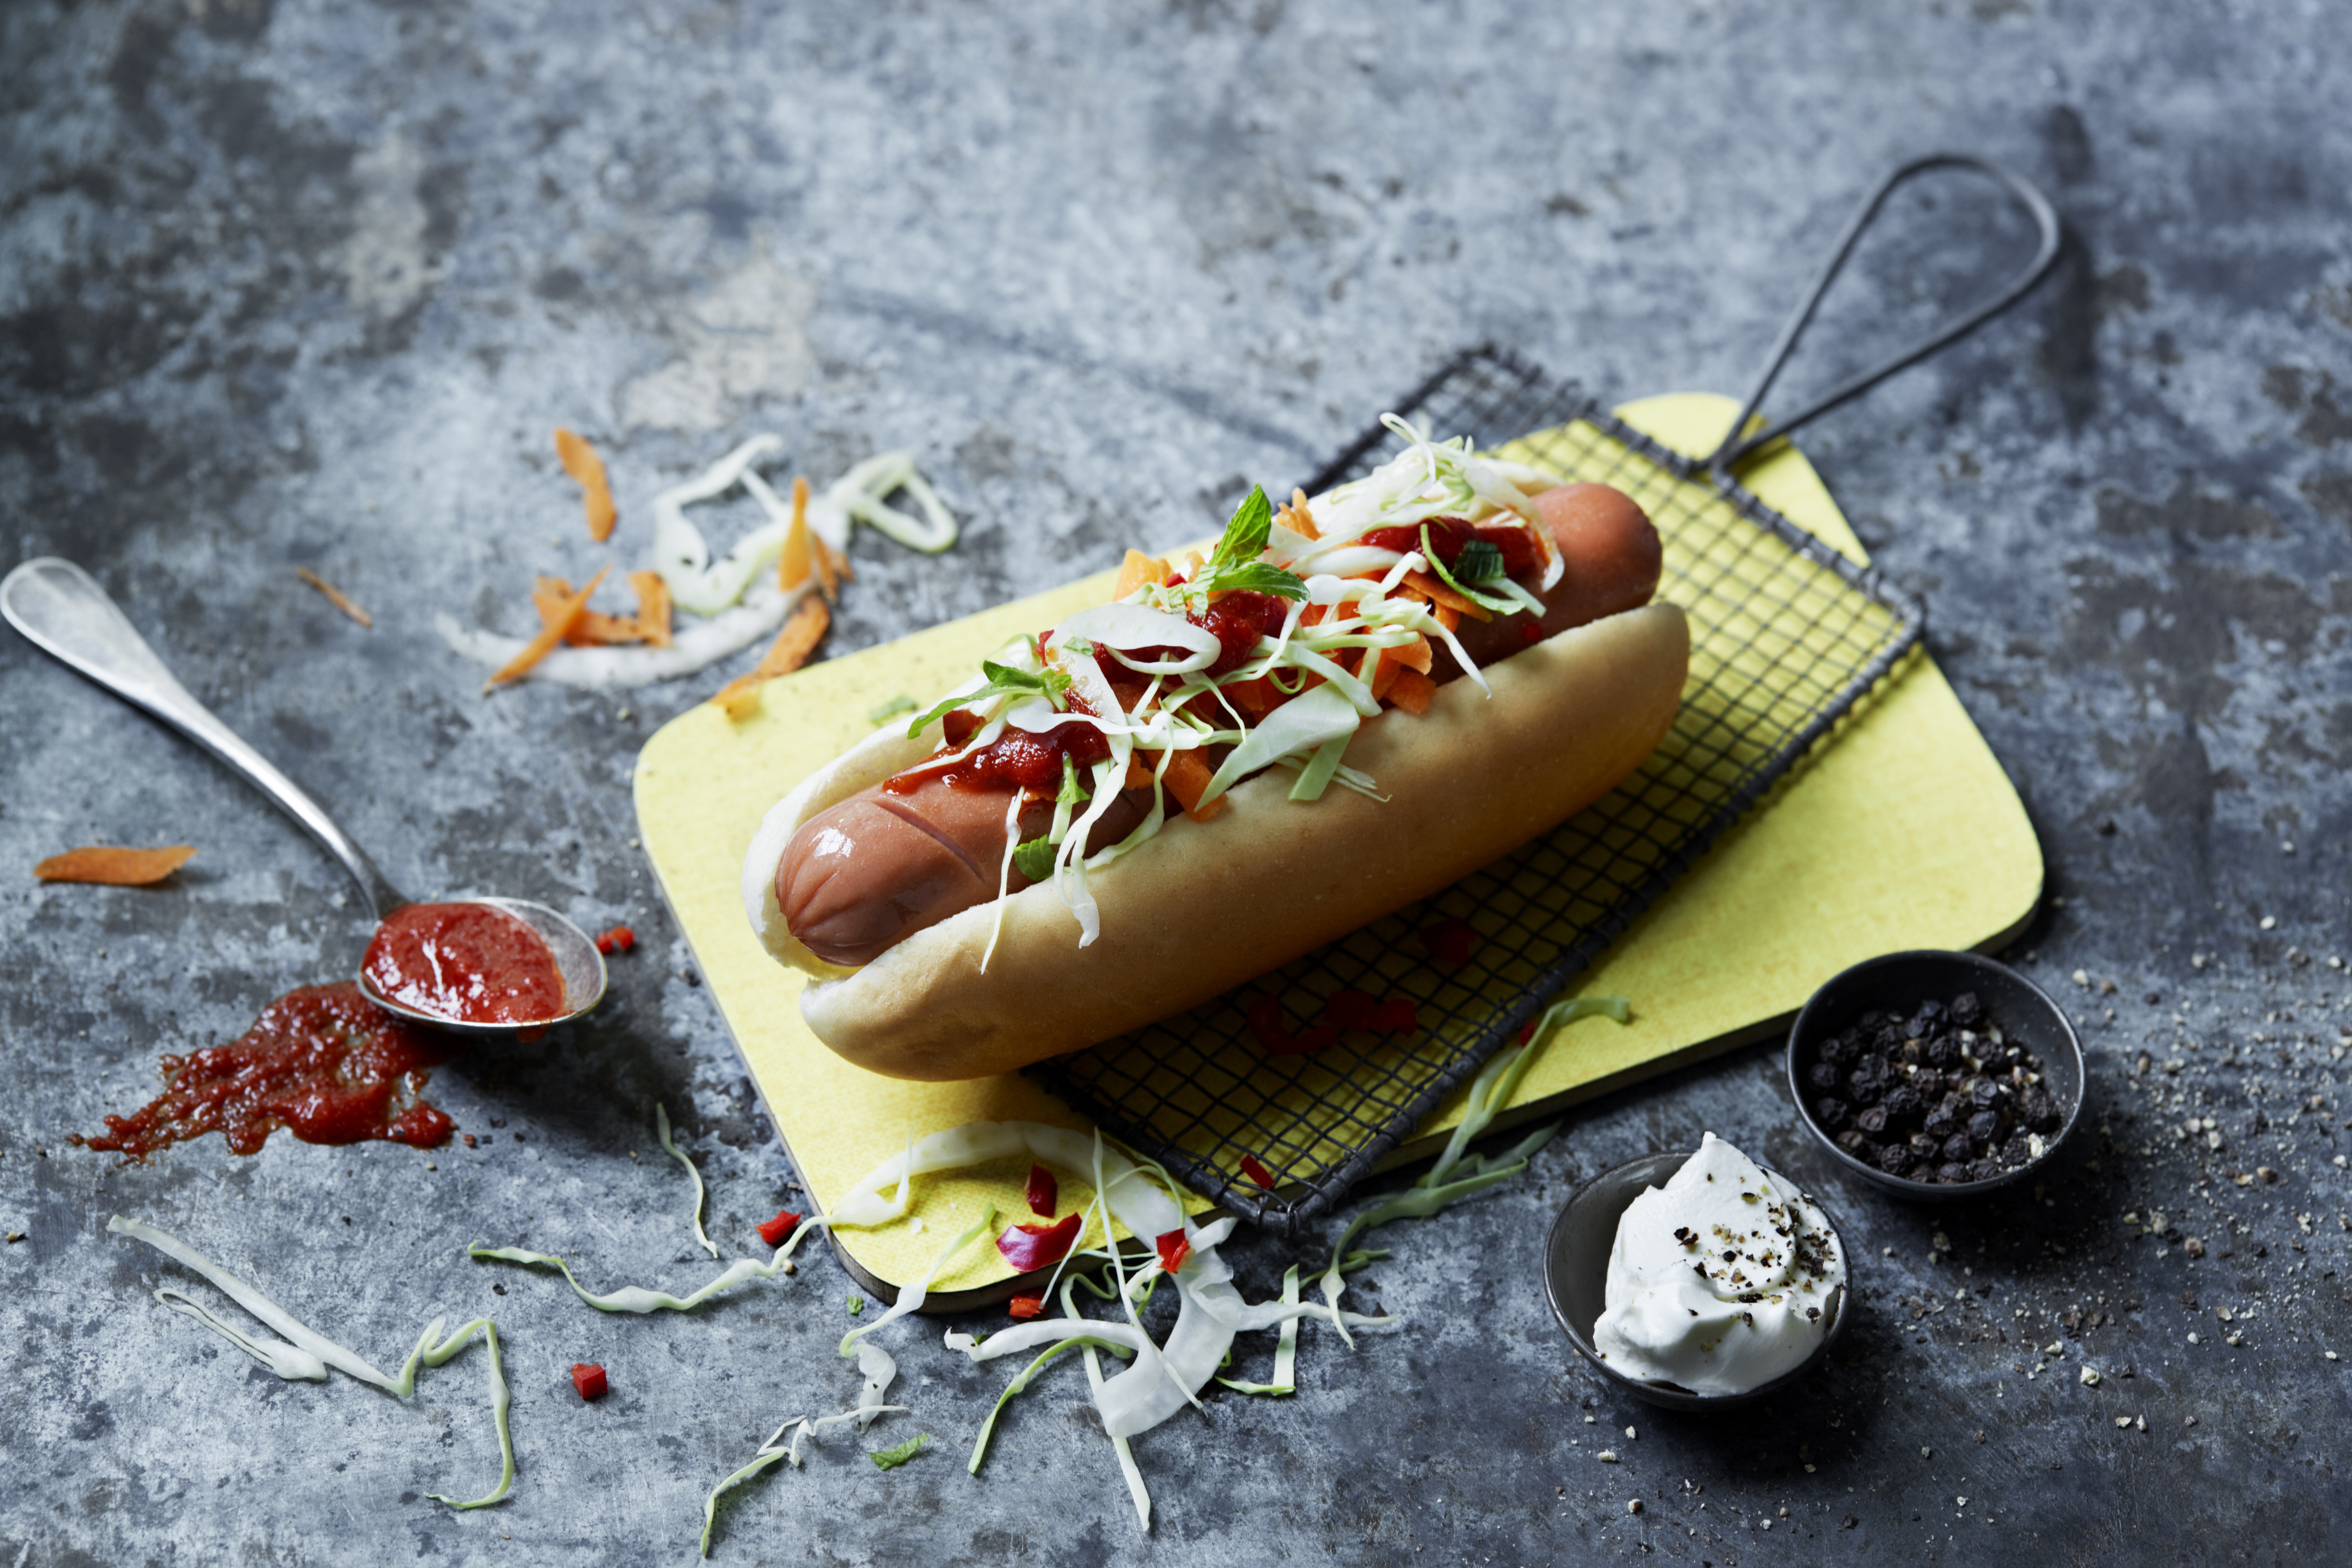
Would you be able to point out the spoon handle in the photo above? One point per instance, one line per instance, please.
(63, 611)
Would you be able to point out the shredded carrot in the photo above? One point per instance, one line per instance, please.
(653, 607)
(1296, 517)
(1438, 593)
(556, 618)
(336, 596)
(1139, 769)
(1411, 690)
(840, 558)
(1188, 774)
(801, 550)
(113, 866)
(802, 632)
(1256, 697)
(1414, 654)
(827, 577)
(1188, 567)
(581, 461)
(1136, 571)
(1385, 668)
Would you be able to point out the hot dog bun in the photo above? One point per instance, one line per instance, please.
(1207, 906)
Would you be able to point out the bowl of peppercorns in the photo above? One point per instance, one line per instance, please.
(1936, 1075)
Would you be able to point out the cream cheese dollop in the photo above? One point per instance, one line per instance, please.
(1720, 1280)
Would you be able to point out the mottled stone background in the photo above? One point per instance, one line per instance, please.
(310, 284)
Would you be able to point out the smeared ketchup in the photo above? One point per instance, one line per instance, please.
(472, 963)
(323, 1061)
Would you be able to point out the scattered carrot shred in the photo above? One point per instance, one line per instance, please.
(1411, 690)
(1139, 769)
(1414, 654)
(557, 613)
(1136, 571)
(1296, 516)
(802, 632)
(828, 575)
(114, 867)
(1385, 668)
(336, 596)
(796, 560)
(651, 589)
(581, 461)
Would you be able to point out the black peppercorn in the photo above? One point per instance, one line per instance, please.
(1966, 1011)
(1895, 1159)
(1872, 1120)
(1959, 1146)
(1985, 1126)
(1901, 1102)
(1831, 1112)
(1925, 1146)
(1824, 1077)
(1983, 1092)
(1856, 1142)
(1951, 1171)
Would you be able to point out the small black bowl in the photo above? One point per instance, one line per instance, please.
(1576, 1279)
(1899, 982)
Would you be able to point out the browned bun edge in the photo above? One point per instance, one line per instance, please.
(1205, 906)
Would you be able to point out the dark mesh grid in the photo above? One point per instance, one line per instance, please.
(1787, 635)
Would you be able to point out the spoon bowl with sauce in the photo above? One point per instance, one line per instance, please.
(479, 967)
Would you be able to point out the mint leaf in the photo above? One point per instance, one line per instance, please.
(891, 1458)
(1035, 859)
(1004, 680)
(1071, 794)
(1429, 553)
(1246, 536)
(1257, 576)
(1006, 675)
(1480, 561)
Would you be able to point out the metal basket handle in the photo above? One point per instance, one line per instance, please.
(1728, 456)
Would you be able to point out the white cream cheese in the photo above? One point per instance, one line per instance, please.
(1720, 1280)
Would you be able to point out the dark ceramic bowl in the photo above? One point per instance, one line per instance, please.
(1576, 1280)
(1899, 983)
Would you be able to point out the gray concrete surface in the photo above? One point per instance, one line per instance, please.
(308, 284)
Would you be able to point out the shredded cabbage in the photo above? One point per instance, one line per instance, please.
(741, 605)
(1490, 1092)
(312, 1354)
(804, 1428)
(661, 1126)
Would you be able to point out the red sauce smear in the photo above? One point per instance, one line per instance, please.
(1020, 760)
(323, 1061)
(472, 963)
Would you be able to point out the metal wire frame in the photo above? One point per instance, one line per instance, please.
(1787, 635)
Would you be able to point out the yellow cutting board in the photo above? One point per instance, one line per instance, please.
(1902, 832)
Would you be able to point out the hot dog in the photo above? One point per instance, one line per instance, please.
(892, 886)
(865, 874)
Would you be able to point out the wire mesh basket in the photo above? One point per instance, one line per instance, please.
(1786, 636)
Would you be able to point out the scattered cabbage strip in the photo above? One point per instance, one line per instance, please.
(1490, 1092)
(636, 1298)
(879, 1370)
(802, 1428)
(661, 1125)
(1285, 1349)
(912, 1297)
(312, 1354)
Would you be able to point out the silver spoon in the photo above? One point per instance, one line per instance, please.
(63, 612)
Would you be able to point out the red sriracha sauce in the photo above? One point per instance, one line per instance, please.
(471, 964)
(620, 939)
(589, 1379)
(1450, 941)
(323, 1061)
(1028, 1246)
(1045, 1191)
(775, 1231)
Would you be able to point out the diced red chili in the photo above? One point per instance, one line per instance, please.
(620, 939)
(1351, 1010)
(589, 1379)
(1257, 1172)
(1027, 1246)
(1527, 1029)
(1027, 1307)
(1395, 1016)
(1273, 1031)
(1044, 1191)
(1174, 1248)
(775, 1231)
(1450, 941)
